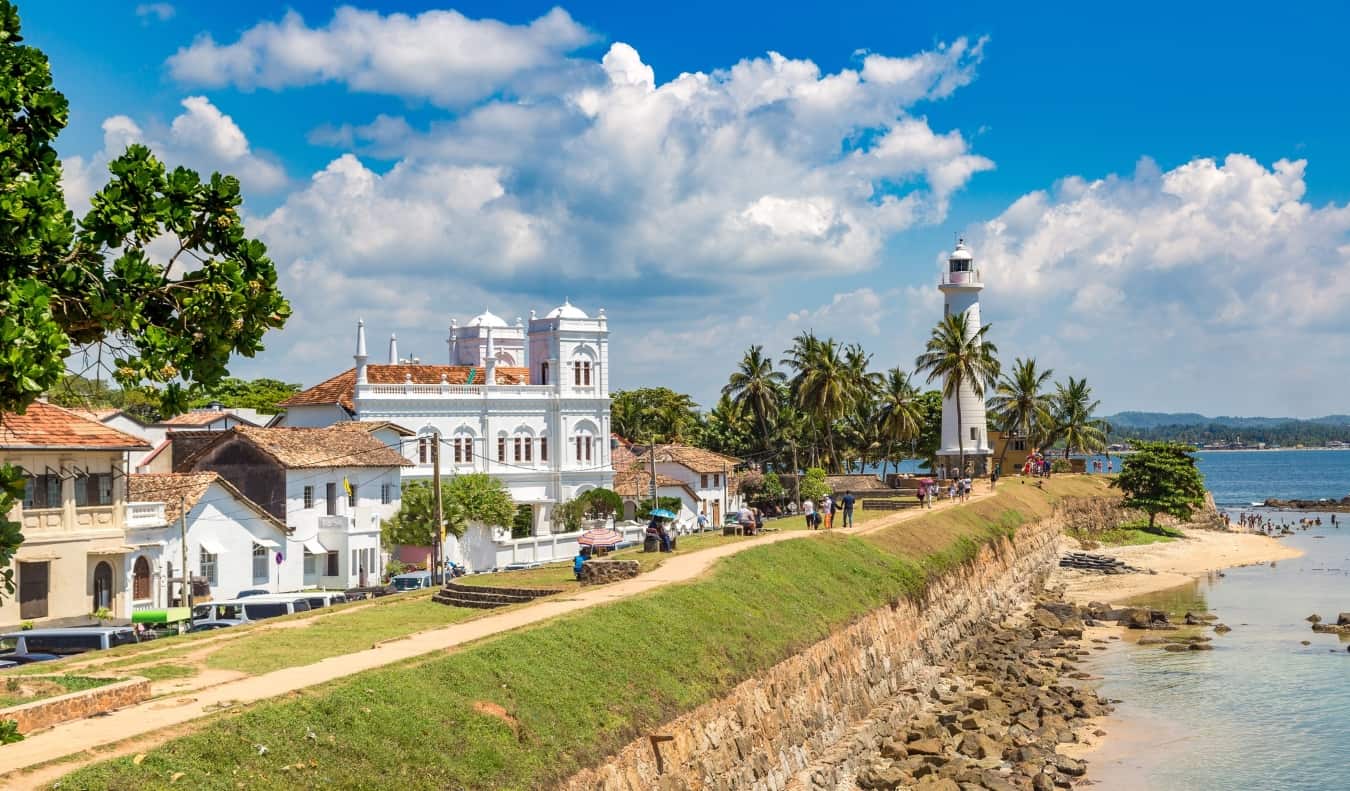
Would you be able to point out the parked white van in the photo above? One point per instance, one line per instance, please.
(253, 608)
(68, 641)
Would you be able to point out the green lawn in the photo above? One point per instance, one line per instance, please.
(335, 634)
(529, 707)
(165, 671)
(17, 690)
(1137, 533)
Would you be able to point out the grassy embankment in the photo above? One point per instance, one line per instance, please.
(526, 708)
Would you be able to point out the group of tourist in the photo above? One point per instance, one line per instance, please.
(1264, 523)
(1099, 466)
(822, 515)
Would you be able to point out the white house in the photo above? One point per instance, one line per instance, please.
(233, 544)
(702, 479)
(330, 487)
(527, 404)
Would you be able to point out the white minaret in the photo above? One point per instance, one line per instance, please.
(393, 349)
(961, 285)
(360, 355)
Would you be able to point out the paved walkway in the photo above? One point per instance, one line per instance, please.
(163, 713)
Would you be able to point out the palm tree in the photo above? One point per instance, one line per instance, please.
(958, 354)
(1021, 405)
(824, 391)
(901, 416)
(1074, 422)
(753, 388)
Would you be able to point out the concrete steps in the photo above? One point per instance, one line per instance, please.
(481, 597)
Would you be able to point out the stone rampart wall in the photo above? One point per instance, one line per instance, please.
(837, 697)
(77, 705)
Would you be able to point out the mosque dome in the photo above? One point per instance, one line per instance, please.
(567, 311)
(487, 319)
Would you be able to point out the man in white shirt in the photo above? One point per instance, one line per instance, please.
(809, 509)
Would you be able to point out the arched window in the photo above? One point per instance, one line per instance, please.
(462, 445)
(103, 586)
(425, 440)
(584, 442)
(583, 361)
(140, 579)
(522, 445)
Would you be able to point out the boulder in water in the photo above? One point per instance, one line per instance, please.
(1314, 618)
(1343, 619)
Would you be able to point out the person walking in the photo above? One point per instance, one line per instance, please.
(827, 510)
(848, 509)
(809, 511)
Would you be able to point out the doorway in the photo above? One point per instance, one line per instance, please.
(33, 578)
(103, 586)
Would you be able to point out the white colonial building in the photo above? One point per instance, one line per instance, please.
(961, 285)
(527, 403)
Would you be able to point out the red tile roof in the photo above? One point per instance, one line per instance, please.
(696, 459)
(339, 389)
(45, 426)
(203, 417)
(318, 448)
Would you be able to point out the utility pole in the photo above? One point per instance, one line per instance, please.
(182, 536)
(651, 453)
(439, 535)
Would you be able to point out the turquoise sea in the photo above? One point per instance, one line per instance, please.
(1260, 711)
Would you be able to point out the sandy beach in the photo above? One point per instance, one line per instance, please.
(1175, 562)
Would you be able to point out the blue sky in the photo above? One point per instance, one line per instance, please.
(538, 159)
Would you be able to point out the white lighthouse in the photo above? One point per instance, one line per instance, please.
(961, 286)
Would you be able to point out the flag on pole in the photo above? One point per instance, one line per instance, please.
(347, 486)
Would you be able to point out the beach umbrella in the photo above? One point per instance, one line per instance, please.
(600, 537)
(663, 514)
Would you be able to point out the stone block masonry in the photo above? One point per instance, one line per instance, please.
(841, 695)
(77, 705)
(598, 572)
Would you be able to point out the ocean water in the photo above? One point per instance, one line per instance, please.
(1260, 711)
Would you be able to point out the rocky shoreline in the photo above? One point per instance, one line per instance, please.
(997, 714)
(1341, 506)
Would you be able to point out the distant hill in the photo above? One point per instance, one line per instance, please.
(1157, 419)
(1200, 429)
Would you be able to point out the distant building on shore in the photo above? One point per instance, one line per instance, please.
(960, 286)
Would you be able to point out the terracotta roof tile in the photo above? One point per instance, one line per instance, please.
(203, 417)
(696, 459)
(339, 389)
(636, 483)
(179, 490)
(50, 426)
(318, 448)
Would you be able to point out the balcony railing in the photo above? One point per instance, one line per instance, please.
(968, 278)
(475, 391)
(145, 515)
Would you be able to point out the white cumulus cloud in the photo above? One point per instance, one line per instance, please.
(442, 56)
(201, 137)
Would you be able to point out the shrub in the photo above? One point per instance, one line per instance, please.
(1061, 465)
(9, 732)
(813, 485)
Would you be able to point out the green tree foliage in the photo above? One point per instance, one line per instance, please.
(1021, 407)
(1075, 423)
(671, 504)
(260, 394)
(477, 497)
(930, 431)
(591, 504)
(754, 389)
(92, 286)
(1161, 478)
(958, 353)
(654, 414)
(901, 418)
(813, 484)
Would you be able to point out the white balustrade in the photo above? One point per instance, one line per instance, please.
(145, 515)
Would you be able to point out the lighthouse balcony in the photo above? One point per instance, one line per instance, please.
(970, 277)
